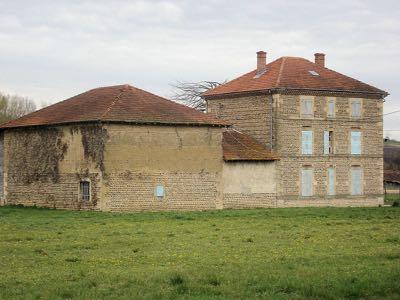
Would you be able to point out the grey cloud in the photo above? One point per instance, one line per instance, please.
(51, 50)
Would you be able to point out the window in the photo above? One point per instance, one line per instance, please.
(307, 108)
(331, 108)
(355, 106)
(355, 142)
(159, 191)
(331, 181)
(84, 190)
(328, 142)
(307, 182)
(356, 180)
(307, 142)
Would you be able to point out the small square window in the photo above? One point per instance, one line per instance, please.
(159, 192)
(84, 190)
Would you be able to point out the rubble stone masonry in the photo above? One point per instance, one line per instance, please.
(276, 121)
(186, 161)
(289, 125)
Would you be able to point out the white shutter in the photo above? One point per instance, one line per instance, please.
(355, 142)
(331, 108)
(307, 142)
(356, 181)
(356, 109)
(331, 181)
(326, 142)
(306, 182)
(307, 108)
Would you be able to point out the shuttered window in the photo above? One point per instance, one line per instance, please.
(331, 108)
(307, 108)
(328, 142)
(355, 108)
(355, 142)
(356, 181)
(307, 142)
(307, 182)
(331, 181)
(84, 190)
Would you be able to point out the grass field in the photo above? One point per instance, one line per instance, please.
(300, 253)
(391, 198)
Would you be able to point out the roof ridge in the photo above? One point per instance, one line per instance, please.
(116, 99)
(278, 80)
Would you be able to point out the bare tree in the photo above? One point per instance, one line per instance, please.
(14, 106)
(190, 93)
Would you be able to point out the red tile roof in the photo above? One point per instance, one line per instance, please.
(238, 146)
(293, 73)
(122, 103)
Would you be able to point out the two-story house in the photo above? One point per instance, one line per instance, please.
(325, 127)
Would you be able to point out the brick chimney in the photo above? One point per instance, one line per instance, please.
(261, 60)
(320, 59)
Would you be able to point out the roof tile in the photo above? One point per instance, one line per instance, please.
(293, 73)
(238, 146)
(121, 103)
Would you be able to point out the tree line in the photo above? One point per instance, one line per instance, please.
(14, 106)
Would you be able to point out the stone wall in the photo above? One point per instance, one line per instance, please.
(250, 114)
(44, 166)
(186, 161)
(124, 164)
(289, 124)
(280, 130)
(249, 184)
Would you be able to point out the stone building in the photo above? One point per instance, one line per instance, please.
(290, 133)
(325, 127)
(120, 148)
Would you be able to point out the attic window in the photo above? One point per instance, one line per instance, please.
(260, 73)
(313, 73)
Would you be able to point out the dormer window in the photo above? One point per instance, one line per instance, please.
(313, 73)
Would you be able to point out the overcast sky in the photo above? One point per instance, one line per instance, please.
(51, 50)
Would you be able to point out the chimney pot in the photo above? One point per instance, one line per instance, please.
(320, 59)
(261, 60)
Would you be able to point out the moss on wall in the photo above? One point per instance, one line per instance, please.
(35, 155)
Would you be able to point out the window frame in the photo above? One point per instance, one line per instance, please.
(328, 101)
(311, 188)
(361, 187)
(85, 197)
(352, 145)
(303, 142)
(356, 101)
(303, 100)
(328, 142)
(329, 183)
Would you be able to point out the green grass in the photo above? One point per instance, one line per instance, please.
(305, 253)
(390, 198)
